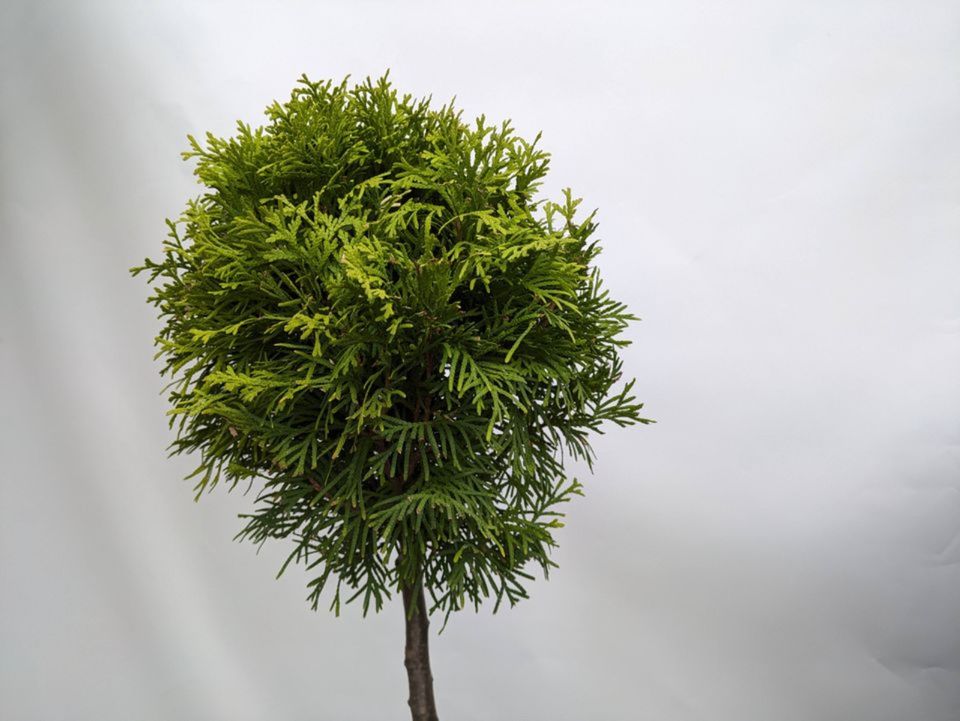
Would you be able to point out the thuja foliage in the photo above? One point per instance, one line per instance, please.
(368, 315)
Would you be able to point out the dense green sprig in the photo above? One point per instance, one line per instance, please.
(368, 314)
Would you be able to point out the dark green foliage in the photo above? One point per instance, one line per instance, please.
(369, 315)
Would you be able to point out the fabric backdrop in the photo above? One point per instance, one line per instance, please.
(779, 200)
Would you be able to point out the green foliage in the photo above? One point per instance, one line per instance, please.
(369, 315)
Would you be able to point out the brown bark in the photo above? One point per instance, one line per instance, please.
(417, 656)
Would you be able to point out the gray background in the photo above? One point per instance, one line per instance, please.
(778, 191)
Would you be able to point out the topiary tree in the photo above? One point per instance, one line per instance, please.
(369, 315)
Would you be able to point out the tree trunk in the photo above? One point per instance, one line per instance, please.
(417, 656)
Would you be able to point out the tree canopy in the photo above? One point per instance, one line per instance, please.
(370, 317)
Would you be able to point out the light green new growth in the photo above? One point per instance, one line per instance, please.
(368, 314)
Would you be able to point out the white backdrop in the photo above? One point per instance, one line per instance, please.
(779, 200)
